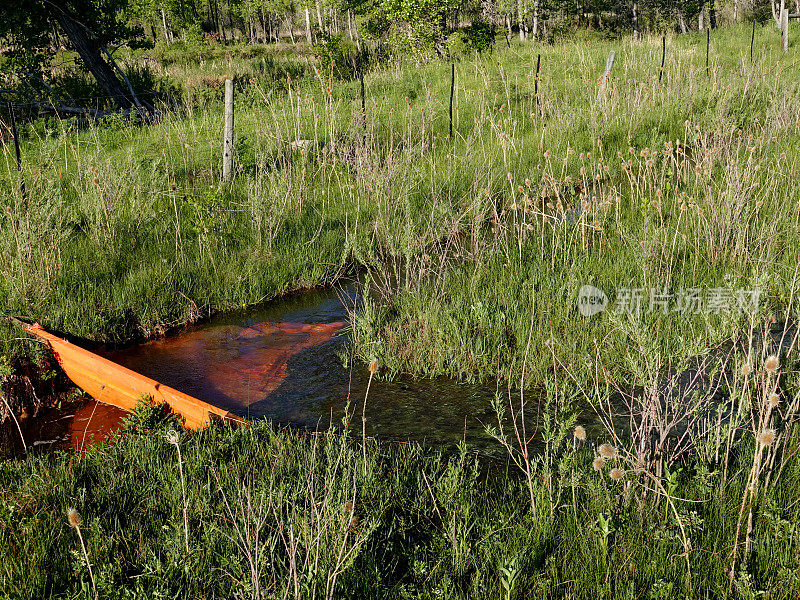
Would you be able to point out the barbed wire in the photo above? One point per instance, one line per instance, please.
(82, 98)
(148, 94)
(170, 97)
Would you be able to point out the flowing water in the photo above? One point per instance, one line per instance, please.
(283, 361)
(73, 427)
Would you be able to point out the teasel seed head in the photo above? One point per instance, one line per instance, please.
(767, 437)
(580, 433)
(74, 518)
(607, 451)
(771, 364)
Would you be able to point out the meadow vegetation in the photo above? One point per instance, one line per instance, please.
(275, 513)
(125, 229)
(473, 249)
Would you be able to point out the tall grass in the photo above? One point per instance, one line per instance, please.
(683, 477)
(276, 514)
(126, 231)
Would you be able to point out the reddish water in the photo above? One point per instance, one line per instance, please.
(240, 365)
(283, 361)
(94, 422)
(229, 365)
(73, 427)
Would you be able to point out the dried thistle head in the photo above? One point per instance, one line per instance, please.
(616, 474)
(373, 366)
(172, 437)
(580, 433)
(598, 463)
(607, 451)
(773, 400)
(74, 518)
(746, 369)
(771, 364)
(767, 437)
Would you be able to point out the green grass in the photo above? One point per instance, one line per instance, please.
(156, 241)
(473, 271)
(416, 525)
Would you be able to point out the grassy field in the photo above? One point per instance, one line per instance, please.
(241, 513)
(474, 250)
(126, 230)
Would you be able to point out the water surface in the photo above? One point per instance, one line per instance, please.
(283, 361)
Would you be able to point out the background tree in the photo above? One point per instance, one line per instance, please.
(35, 29)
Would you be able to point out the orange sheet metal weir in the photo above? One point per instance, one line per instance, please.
(109, 382)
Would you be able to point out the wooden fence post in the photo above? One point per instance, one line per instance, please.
(452, 89)
(785, 29)
(536, 78)
(14, 133)
(227, 155)
(606, 74)
(663, 57)
(363, 100)
(12, 114)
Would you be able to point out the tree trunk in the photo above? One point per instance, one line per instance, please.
(535, 30)
(308, 27)
(212, 15)
(350, 24)
(682, 22)
(319, 17)
(89, 51)
(487, 11)
(220, 24)
(637, 32)
(164, 24)
(438, 43)
(290, 27)
(735, 11)
(521, 21)
(712, 14)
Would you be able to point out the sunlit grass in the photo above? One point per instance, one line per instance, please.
(475, 248)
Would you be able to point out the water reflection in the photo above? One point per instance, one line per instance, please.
(282, 361)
